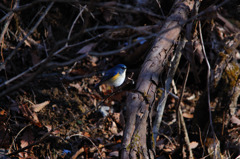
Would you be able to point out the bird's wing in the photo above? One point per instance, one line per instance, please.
(108, 75)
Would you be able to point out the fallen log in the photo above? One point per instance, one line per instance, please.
(138, 138)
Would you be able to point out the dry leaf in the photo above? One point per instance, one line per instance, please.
(27, 43)
(193, 144)
(32, 116)
(35, 119)
(49, 128)
(93, 60)
(26, 139)
(113, 128)
(187, 115)
(86, 134)
(81, 150)
(101, 146)
(87, 48)
(235, 120)
(3, 115)
(119, 141)
(40, 106)
(116, 117)
(77, 86)
(169, 148)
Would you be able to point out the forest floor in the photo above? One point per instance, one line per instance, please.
(59, 113)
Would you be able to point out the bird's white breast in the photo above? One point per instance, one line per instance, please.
(119, 81)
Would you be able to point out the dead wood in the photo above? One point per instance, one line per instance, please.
(224, 95)
(137, 140)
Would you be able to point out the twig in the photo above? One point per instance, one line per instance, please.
(201, 140)
(171, 94)
(76, 154)
(108, 53)
(228, 24)
(74, 22)
(180, 119)
(18, 85)
(43, 62)
(33, 19)
(85, 41)
(160, 7)
(186, 137)
(124, 8)
(10, 16)
(79, 77)
(32, 41)
(30, 145)
(25, 6)
(210, 9)
(2, 66)
(162, 101)
(208, 79)
(22, 74)
(6, 16)
(57, 64)
(10, 148)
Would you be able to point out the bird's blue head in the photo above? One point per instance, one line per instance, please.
(121, 68)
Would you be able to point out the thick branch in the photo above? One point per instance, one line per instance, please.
(136, 139)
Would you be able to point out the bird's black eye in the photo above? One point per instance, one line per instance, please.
(123, 67)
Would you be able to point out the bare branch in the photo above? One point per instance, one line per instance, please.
(208, 79)
(9, 16)
(2, 66)
(168, 82)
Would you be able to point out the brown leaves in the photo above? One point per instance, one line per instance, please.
(29, 114)
(235, 120)
(3, 115)
(113, 128)
(193, 144)
(26, 139)
(40, 106)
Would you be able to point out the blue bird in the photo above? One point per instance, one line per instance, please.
(115, 76)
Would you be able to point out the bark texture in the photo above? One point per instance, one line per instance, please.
(138, 139)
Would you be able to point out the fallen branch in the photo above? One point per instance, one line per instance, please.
(137, 140)
(168, 82)
(180, 119)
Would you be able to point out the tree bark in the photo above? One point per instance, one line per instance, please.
(138, 138)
